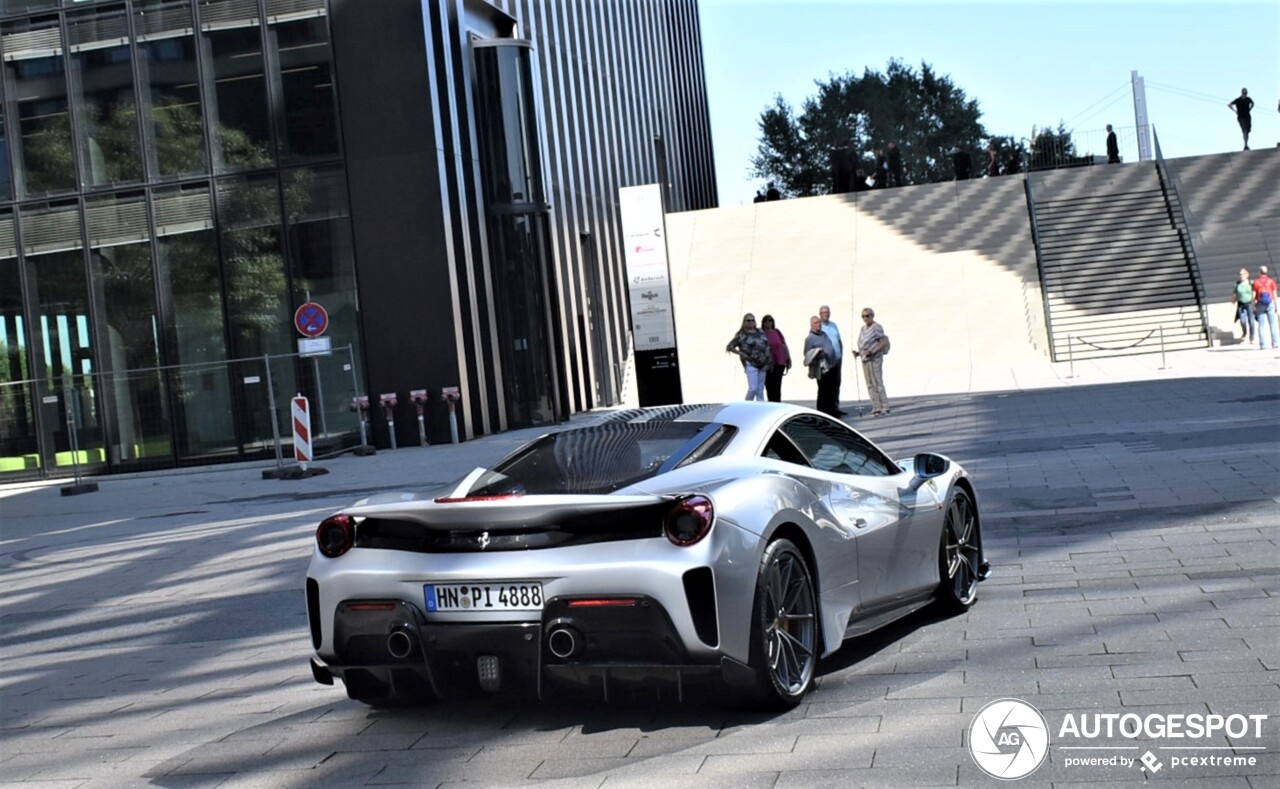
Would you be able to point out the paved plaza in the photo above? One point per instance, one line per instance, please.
(154, 633)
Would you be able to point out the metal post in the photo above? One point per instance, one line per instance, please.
(79, 487)
(355, 392)
(453, 423)
(1162, 362)
(71, 429)
(1071, 354)
(324, 428)
(271, 405)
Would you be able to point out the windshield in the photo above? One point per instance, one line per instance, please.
(603, 458)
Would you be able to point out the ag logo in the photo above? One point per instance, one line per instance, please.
(1008, 739)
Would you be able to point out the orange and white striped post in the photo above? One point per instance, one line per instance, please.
(301, 431)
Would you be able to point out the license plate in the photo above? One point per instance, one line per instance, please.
(484, 596)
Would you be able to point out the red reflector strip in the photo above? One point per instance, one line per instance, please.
(372, 606)
(603, 602)
(461, 499)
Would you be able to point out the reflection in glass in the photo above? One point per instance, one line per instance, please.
(187, 266)
(6, 184)
(258, 305)
(99, 45)
(310, 117)
(132, 387)
(520, 305)
(243, 133)
(322, 265)
(19, 451)
(35, 77)
(59, 295)
(170, 78)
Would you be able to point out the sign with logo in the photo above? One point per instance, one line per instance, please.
(1008, 739)
(648, 278)
(311, 320)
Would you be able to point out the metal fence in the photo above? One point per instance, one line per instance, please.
(1084, 148)
(195, 414)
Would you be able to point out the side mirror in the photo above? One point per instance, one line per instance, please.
(927, 465)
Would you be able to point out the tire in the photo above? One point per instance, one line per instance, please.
(959, 555)
(784, 627)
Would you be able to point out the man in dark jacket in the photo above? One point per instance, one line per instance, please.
(962, 162)
(1113, 147)
(820, 357)
(895, 165)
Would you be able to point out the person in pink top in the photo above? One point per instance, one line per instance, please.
(1264, 307)
(781, 359)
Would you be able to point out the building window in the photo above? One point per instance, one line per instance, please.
(102, 74)
(241, 118)
(171, 87)
(306, 85)
(36, 81)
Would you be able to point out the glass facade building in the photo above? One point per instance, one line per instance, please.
(177, 177)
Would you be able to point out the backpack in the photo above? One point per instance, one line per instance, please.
(1264, 298)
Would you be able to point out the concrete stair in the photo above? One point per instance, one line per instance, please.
(1232, 203)
(1113, 264)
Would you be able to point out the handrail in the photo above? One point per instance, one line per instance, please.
(1035, 241)
(1167, 183)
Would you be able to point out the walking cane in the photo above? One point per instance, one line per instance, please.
(857, 383)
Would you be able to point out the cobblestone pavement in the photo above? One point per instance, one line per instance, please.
(154, 633)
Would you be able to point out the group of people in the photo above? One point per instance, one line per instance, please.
(1256, 307)
(766, 358)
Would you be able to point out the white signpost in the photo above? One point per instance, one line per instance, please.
(653, 324)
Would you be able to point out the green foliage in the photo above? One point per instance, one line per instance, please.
(1051, 147)
(924, 112)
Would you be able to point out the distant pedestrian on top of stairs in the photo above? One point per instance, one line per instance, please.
(962, 163)
(1243, 105)
(1264, 305)
(1113, 147)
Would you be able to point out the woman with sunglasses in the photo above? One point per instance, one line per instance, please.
(752, 347)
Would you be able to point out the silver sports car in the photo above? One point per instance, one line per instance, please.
(743, 541)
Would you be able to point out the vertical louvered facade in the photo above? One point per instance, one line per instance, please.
(177, 177)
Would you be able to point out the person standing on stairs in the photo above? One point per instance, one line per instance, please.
(1113, 147)
(1243, 105)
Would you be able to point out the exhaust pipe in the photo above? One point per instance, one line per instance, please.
(564, 642)
(399, 644)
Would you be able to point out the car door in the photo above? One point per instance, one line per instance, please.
(871, 495)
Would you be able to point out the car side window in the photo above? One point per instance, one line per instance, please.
(781, 448)
(833, 447)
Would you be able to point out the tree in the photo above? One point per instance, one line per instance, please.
(853, 116)
(1051, 147)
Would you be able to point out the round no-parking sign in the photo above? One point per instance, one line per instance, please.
(311, 319)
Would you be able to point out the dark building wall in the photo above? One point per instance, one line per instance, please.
(400, 226)
(610, 78)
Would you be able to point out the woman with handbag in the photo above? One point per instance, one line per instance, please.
(780, 355)
(873, 344)
(752, 347)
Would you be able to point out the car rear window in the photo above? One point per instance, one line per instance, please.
(602, 458)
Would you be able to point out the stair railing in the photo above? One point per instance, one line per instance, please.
(1035, 241)
(1178, 217)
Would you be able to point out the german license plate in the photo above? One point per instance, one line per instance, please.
(484, 596)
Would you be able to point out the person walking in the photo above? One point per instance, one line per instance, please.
(833, 331)
(993, 164)
(818, 354)
(895, 165)
(752, 348)
(780, 356)
(1242, 295)
(1113, 147)
(1264, 307)
(1243, 105)
(873, 344)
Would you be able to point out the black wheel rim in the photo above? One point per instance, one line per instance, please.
(962, 549)
(789, 627)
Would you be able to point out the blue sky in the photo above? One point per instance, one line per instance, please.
(1027, 63)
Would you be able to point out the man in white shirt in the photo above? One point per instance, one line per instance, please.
(833, 332)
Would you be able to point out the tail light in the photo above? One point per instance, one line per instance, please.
(690, 521)
(335, 535)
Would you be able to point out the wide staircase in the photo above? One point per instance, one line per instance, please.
(1116, 263)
